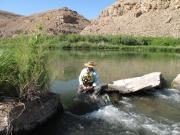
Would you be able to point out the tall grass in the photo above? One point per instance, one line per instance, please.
(62, 40)
(24, 68)
(23, 61)
(8, 73)
(32, 66)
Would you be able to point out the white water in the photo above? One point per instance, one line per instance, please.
(124, 117)
(170, 95)
(133, 121)
(152, 113)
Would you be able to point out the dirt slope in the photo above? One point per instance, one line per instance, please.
(5, 18)
(138, 17)
(53, 22)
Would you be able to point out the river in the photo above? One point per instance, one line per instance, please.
(154, 112)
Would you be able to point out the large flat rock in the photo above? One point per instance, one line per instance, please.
(130, 85)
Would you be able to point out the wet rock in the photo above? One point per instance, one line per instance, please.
(148, 81)
(16, 116)
(8, 91)
(176, 82)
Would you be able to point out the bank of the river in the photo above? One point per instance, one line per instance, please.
(151, 112)
(23, 62)
(106, 42)
(25, 100)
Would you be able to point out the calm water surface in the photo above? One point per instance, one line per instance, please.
(153, 112)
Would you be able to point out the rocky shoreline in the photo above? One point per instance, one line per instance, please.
(18, 117)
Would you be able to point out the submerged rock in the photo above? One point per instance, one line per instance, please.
(17, 116)
(130, 85)
(176, 82)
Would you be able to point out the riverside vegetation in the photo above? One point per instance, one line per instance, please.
(23, 72)
(23, 58)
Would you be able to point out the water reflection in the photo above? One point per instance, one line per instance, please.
(148, 113)
(64, 68)
(67, 65)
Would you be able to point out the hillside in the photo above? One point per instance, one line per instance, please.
(53, 22)
(138, 17)
(7, 15)
(5, 18)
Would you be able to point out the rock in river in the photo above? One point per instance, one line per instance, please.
(176, 82)
(130, 85)
(17, 116)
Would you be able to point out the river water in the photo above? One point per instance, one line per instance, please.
(153, 112)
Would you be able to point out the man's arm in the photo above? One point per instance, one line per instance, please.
(96, 79)
(80, 77)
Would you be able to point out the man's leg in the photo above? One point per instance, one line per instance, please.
(100, 89)
(80, 90)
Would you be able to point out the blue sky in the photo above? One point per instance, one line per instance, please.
(88, 8)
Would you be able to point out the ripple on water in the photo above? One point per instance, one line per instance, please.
(171, 95)
(135, 122)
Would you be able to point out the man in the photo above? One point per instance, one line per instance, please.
(89, 81)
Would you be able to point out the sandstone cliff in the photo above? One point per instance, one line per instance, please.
(138, 17)
(53, 22)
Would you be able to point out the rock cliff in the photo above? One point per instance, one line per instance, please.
(138, 17)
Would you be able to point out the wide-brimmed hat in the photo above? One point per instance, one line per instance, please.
(90, 64)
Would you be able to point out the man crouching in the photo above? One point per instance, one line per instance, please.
(89, 81)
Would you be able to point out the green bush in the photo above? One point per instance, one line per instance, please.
(9, 72)
(24, 68)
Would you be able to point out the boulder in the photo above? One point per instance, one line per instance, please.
(17, 116)
(130, 85)
(176, 82)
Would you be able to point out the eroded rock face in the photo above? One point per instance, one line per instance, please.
(26, 116)
(138, 17)
(121, 7)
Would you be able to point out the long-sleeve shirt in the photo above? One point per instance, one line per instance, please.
(95, 74)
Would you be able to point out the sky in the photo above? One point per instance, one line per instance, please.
(90, 9)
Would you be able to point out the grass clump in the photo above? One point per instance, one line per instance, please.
(9, 75)
(24, 69)
(99, 42)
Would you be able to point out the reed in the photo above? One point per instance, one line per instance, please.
(23, 59)
(23, 67)
(61, 40)
(8, 72)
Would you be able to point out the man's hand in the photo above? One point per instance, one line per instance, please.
(88, 88)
